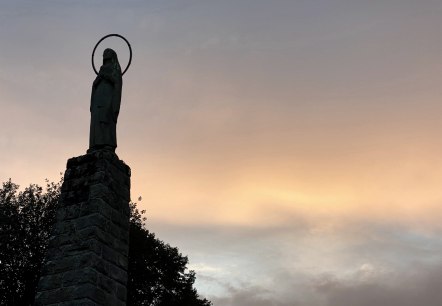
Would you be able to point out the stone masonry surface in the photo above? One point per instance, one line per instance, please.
(86, 262)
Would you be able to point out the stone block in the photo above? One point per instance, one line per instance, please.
(60, 215)
(107, 284)
(58, 266)
(80, 302)
(89, 291)
(80, 276)
(109, 254)
(92, 220)
(120, 220)
(121, 245)
(49, 297)
(49, 282)
(121, 292)
(117, 274)
(64, 227)
(82, 247)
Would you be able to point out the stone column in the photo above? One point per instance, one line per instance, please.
(86, 262)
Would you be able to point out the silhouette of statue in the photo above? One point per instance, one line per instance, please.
(105, 104)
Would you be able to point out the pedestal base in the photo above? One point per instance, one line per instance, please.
(86, 262)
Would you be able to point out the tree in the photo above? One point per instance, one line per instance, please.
(157, 272)
(26, 219)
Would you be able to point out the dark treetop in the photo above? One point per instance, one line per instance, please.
(105, 103)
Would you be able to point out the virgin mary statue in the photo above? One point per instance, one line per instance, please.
(105, 104)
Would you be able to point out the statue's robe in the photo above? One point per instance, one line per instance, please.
(105, 106)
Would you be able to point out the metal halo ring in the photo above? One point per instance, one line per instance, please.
(109, 35)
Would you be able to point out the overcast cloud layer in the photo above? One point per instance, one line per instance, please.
(292, 149)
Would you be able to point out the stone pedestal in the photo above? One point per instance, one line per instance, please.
(86, 262)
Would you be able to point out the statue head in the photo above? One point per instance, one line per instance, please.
(110, 57)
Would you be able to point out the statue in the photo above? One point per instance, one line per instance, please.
(106, 100)
(105, 103)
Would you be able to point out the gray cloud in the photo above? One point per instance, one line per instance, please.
(418, 285)
(354, 263)
(414, 287)
(251, 296)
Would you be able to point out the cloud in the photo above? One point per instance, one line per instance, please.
(308, 262)
(419, 285)
(250, 296)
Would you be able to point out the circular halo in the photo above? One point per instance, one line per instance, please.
(109, 35)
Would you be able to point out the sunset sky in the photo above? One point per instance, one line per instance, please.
(292, 149)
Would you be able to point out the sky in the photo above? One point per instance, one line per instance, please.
(291, 149)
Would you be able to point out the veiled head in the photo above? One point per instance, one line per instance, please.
(110, 56)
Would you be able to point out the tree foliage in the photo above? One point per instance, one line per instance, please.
(26, 218)
(157, 273)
